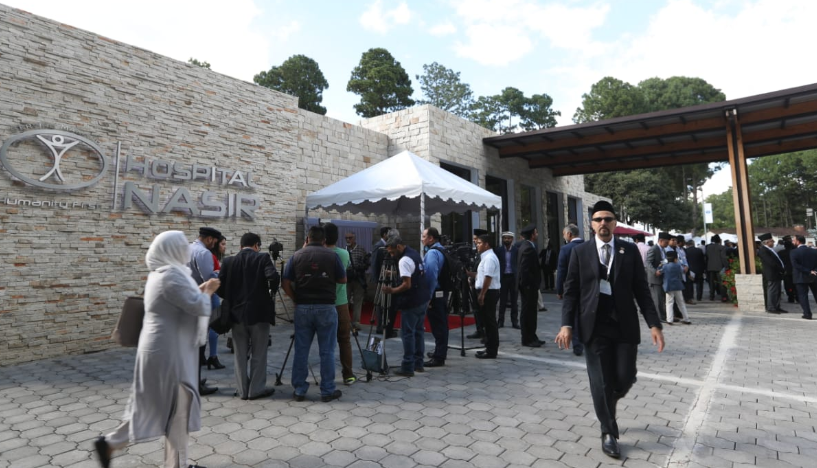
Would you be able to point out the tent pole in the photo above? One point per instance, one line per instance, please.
(422, 220)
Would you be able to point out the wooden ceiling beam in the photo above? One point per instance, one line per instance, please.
(715, 123)
(775, 113)
(639, 164)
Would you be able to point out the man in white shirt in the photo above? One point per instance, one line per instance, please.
(488, 285)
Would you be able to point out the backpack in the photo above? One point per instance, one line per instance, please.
(448, 277)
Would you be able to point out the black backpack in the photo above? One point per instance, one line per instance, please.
(450, 271)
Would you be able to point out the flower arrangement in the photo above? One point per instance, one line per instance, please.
(729, 279)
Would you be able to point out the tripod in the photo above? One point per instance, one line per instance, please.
(382, 305)
(278, 376)
(463, 299)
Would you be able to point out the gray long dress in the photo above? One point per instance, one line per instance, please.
(167, 356)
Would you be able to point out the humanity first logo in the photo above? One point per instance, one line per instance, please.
(63, 161)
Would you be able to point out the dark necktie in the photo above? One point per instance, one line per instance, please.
(605, 254)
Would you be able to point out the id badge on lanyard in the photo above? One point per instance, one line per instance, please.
(604, 285)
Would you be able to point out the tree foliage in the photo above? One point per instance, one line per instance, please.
(723, 210)
(443, 88)
(298, 76)
(538, 114)
(610, 98)
(498, 112)
(782, 187)
(382, 83)
(195, 62)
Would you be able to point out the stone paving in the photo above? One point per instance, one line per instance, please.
(730, 390)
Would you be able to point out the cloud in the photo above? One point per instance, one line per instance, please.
(287, 30)
(519, 24)
(442, 29)
(379, 21)
(209, 30)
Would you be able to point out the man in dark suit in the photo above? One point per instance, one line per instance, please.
(773, 271)
(507, 256)
(804, 272)
(548, 260)
(697, 265)
(572, 238)
(656, 258)
(605, 280)
(529, 277)
(716, 261)
(246, 281)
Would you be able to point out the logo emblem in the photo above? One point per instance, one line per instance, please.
(58, 146)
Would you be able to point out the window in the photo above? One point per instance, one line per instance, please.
(554, 228)
(499, 187)
(528, 204)
(456, 226)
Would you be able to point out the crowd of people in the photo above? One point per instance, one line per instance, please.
(600, 283)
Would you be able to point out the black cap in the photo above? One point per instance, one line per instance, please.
(603, 205)
(715, 238)
(765, 237)
(528, 230)
(208, 231)
(664, 235)
(479, 232)
(680, 238)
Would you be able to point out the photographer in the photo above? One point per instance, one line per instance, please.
(356, 277)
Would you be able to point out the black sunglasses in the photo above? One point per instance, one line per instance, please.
(606, 219)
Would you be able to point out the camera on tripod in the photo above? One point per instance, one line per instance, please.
(276, 249)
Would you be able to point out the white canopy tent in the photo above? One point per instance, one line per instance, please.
(392, 186)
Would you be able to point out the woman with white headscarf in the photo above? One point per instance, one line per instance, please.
(165, 395)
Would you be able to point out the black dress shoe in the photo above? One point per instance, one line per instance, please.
(543, 309)
(500, 325)
(773, 312)
(516, 326)
(235, 394)
(430, 354)
(297, 397)
(334, 396)
(213, 362)
(609, 446)
(578, 351)
(391, 334)
(474, 335)
(267, 392)
(533, 344)
(782, 311)
(103, 451)
(804, 317)
(196, 466)
(205, 390)
(485, 355)
(434, 363)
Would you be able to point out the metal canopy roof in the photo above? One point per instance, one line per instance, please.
(772, 123)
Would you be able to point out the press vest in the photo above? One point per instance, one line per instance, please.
(418, 294)
(315, 279)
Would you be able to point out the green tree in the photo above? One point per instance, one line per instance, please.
(487, 112)
(782, 187)
(512, 102)
(443, 88)
(678, 91)
(382, 83)
(610, 98)
(195, 62)
(537, 113)
(298, 76)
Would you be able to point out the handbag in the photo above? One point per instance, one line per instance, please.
(129, 326)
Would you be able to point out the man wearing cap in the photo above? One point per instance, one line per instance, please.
(605, 280)
(716, 262)
(773, 271)
(202, 267)
(656, 258)
(804, 272)
(528, 279)
(507, 256)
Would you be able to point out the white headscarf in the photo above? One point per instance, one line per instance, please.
(169, 250)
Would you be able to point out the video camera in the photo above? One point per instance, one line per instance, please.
(276, 249)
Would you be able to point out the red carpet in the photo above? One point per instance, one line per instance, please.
(453, 320)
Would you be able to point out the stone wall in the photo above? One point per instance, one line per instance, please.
(68, 270)
(749, 289)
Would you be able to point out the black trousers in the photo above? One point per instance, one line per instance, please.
(438, 320)
(528, 315)
(611, 367)
(699, 287)
(508, 295)
(715, 285)
(487, 311)
(802, 296)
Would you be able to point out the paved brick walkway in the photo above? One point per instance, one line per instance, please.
(731, 390)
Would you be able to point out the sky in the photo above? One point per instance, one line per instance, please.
(561, 48)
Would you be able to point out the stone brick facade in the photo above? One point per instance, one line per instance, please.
(72, 257)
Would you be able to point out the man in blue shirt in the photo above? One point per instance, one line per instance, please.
(434, 261)
(202, 266)
(506, 254)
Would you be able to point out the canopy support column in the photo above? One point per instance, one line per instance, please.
(422, 220)
(740, 193)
